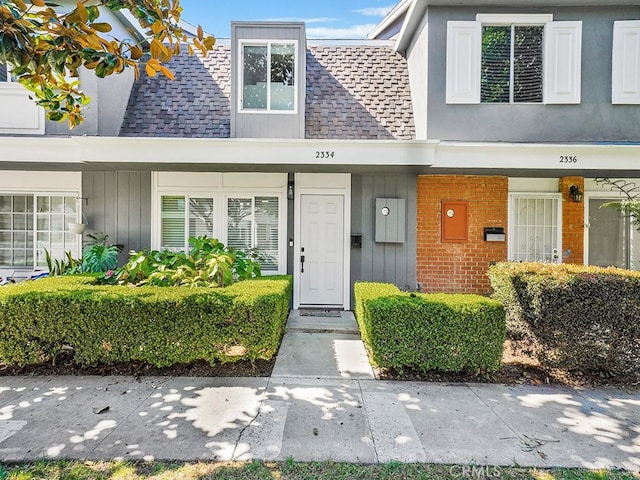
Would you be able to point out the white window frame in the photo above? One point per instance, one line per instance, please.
(282, 223)
(511, 216)
(75, 250)
(268, 43)
(187, 194)
(220, 195)
(562, 56)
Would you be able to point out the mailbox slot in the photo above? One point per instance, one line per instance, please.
(494, 234)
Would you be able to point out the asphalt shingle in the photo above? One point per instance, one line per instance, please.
(352, 92)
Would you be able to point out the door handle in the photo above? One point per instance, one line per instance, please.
(301, 263)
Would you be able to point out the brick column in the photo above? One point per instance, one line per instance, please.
(461, 266)
(572, 221)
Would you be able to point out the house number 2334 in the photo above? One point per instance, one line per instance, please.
(325, 154)
(568, 159)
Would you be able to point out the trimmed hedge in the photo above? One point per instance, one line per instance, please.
(157, 326)
(574, 317)
(447, 332)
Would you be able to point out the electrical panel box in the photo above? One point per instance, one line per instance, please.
(455, 222)
(390, 220)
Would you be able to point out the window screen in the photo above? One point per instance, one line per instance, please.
(511, 64)
(253, 222)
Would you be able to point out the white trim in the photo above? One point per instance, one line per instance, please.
(309, 184)
(514, 18)
(390, 17)
(169, 154)
(510, 213)
(22, 180)
(530, 185)
(625, 64)
(281, 195)
(296, 75)
(225, 151)
(533, 157)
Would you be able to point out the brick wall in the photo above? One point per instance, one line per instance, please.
(572, 221)
(459, 267)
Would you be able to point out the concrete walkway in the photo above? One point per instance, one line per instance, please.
(338, 415)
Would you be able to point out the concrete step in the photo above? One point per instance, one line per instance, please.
(345, 322)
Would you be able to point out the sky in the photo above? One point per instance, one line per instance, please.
(335, 19)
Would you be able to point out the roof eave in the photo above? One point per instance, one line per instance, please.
(398, 10)
(411, 24)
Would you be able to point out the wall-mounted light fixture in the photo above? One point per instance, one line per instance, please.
(576, 193)
(290, 192)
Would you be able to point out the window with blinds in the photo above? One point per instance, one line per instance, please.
(29, 224)
(252, 222)
(182, 214)
(4, 77)
(534, 231)
(511, 68)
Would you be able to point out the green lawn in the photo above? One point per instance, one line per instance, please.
(288, 470)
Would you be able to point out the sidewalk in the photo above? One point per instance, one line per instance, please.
(341, 416)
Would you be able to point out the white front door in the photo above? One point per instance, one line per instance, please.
(321, 250)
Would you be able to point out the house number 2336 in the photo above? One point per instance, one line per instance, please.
(568, 159)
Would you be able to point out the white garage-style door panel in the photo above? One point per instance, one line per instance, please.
(322, 250)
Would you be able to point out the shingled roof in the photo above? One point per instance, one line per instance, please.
(353, 92)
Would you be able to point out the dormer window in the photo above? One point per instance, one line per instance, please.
(268, 79)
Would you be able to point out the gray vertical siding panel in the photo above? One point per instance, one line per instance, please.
(412, 233)
(356, 226)
(110, 205)
(145, 210)
(120, 206)
(386, 262)
(135, 219)
(378, 248)
(366, 228)
(389, 249)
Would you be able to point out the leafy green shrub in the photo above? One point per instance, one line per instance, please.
(63, 266)
(99, 255)
(209, 263)
(158, 326)
(573, 316)
(444, 332)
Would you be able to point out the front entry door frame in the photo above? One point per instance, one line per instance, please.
(322, 184)
(589, 195)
